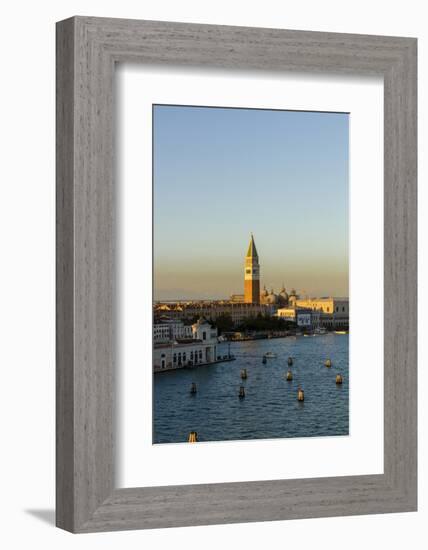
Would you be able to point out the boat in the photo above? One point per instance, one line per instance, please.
(320, 330)
(340, 332)
(270, 355)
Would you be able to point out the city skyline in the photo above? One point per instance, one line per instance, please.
(222, 174)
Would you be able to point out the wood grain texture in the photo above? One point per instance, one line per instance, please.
(64, 276)
(87, 49)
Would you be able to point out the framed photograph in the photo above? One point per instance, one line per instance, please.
(233, 161)
(236, 274)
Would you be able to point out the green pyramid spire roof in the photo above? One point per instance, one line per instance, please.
(252, 250)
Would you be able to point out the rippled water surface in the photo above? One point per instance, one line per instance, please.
(270, 408)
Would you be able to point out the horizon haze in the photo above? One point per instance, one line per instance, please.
(220, 174)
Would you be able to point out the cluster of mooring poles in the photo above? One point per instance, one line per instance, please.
(300, 393)
(193, 436)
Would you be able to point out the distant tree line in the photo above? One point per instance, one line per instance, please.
(224, 323)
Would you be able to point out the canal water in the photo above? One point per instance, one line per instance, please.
(270, 408)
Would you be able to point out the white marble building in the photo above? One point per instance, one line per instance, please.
(171, 329)
(199, 349)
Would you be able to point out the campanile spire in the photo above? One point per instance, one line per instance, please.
(252, 274)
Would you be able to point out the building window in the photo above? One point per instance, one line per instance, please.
(204, 335)
(175, 357)
(343, 308)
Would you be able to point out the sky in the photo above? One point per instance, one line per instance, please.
(221, 174)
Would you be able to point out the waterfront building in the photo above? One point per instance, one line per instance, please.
(326, 304)
(330, 313)
(202, 330)
(161, 333)
(213, 309)
(252, 275)
(333, 312)
(167, 329)
(303, 317)
(199, 349)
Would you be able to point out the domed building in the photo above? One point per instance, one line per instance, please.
(264, 294)
(272, 298)
(293, 297)
(283, 297)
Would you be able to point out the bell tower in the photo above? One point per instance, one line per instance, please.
(252, 275)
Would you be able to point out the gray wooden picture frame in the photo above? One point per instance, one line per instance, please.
(87, 50)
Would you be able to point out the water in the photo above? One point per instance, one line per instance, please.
(270, 408)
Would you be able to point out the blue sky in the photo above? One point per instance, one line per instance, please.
(220, 174)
